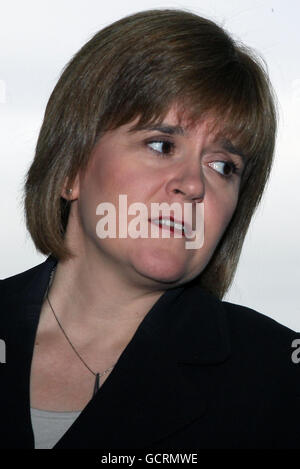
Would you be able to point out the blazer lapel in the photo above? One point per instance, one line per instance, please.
(148, 395)
(19, 320)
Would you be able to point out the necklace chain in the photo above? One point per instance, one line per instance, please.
(62, 329)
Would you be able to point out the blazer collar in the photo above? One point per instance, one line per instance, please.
(148, 394)
(192, 324)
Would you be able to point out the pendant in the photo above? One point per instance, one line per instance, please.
(96, 386)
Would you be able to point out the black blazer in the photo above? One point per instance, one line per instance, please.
(198, 373)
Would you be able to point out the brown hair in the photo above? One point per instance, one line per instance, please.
(138, 67)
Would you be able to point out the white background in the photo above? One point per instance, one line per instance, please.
(37, 38)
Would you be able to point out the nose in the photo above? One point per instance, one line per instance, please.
(189, 182)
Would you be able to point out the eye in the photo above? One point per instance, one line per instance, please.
(164, 147)
(225, 168)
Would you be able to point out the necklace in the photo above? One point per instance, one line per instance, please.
(97, 375)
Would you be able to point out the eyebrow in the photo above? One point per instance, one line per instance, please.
(225, 143)
(165, 129)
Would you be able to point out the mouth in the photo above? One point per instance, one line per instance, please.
(171, 224)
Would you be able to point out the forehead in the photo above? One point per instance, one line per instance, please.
(179, 122)
(176, 122)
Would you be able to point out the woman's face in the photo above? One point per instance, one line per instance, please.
(165, 163)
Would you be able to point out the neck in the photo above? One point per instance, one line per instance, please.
(93, 300)
(96, 295)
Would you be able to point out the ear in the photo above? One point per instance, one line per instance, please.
(71, 191)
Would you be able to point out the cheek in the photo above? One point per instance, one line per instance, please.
(218, 213)
(112, 177)
(104, 182)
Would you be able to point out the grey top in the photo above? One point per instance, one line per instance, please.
(49, 426)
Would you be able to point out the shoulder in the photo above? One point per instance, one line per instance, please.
(241, 319)
(263, 343)
(254, 338)
(21, 297)
(245, 320)
(10, 284)
(17, 285)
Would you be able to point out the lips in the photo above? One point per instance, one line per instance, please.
(172, 224)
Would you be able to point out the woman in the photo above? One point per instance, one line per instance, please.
(123, 341)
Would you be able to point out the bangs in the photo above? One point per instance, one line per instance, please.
(237, 102)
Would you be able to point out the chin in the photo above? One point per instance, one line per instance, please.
(160, 266)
